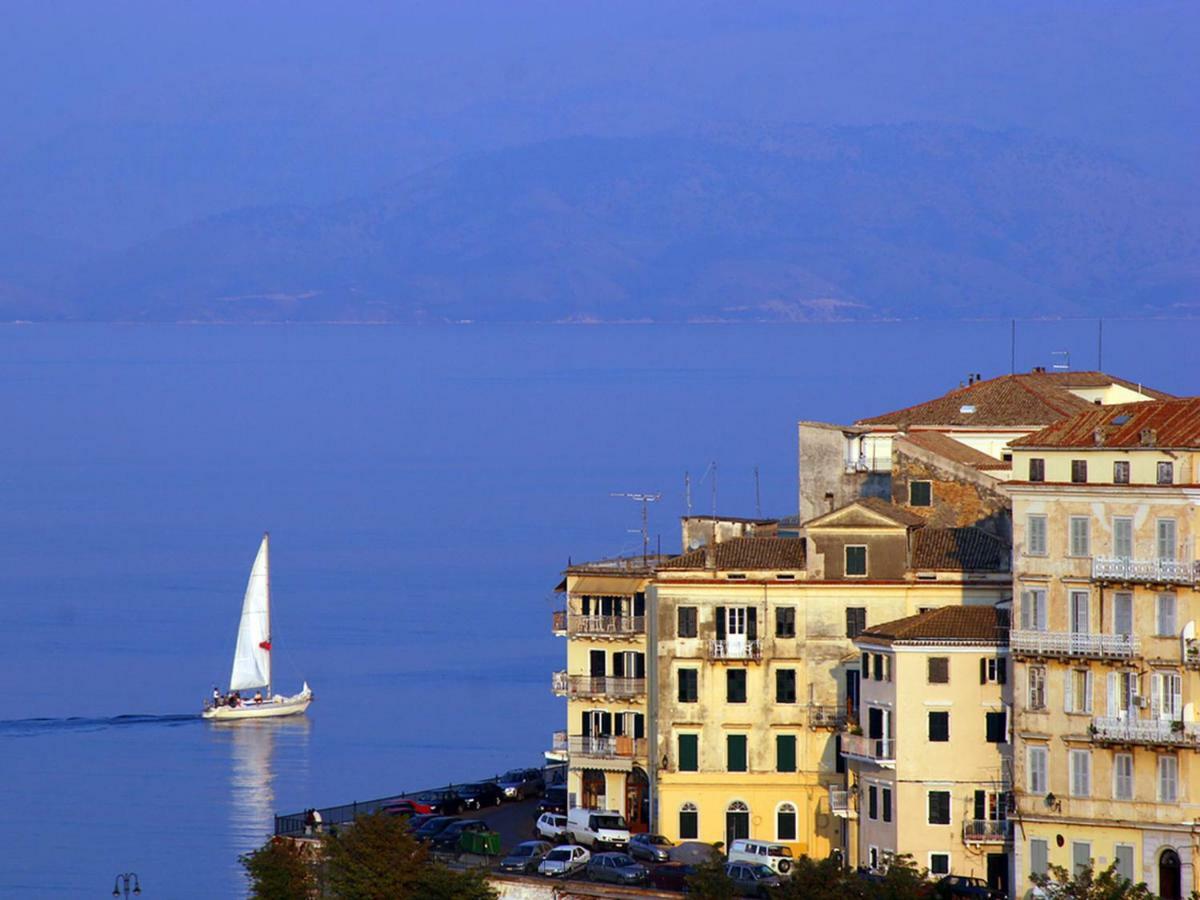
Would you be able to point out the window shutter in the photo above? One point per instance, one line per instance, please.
(1025, 618)
(639, 725)
(618, 665)
(641, 665)
(689, 756)
(752, 624)
(983, 670)
(866, 666)
(1002, 670)
(587, 724)
(785, 753)
(619, 725)
(1113, 709)
(720, 623)
(1069, 691)
(1156, 696)
(1087, 690)
(606, 723)
(980, 805)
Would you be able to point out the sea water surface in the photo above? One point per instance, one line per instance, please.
(423, 487)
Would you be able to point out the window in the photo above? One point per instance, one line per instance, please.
(785, 685)
(1166, 473)
(689, 753)
(1168, 779)
(1081, 537)
(1037, 469)
(1033, 610)
(1079, 471)
(883, 667)
(1035, 535)
(1081, 855)
(785, 822)
(1121, 472)
(1039, 856)
(872, 802)
(996, 728)
(1165, 534)
(1122, 537)
(1037, 687)
(785, 753)
(886, 798)
(993, 669)
(1122, 612)
(785, 621)
(689, 822)
(1166, 696)
(1123, 856)
(920, 493)
(735, 686)
(1122, 688)
(1078, 691)
(939, 670)
(1081, 773)
(1038, 759)
(1122, 776)
(856, 620)
(687, 622)
(939, 726)
(873, 857)
(1166, 615)
(689, 685)
(856, 560)
(939, 863)
(939, 807)
(735, 753)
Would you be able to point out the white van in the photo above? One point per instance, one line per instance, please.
(777, 856)
(590, 827)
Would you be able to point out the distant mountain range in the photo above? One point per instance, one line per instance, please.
(785, 224)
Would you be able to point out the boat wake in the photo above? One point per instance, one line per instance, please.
(35, 727)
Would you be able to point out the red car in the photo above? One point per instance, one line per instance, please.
(406, 807)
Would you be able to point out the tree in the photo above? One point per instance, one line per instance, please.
(904, 880)
(1085, 884)
(824, 879)
(709, 881)
(279, 870)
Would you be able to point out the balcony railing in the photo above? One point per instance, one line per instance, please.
(876, 750)
(826, 717)
(1191, 653)
(839, 803)
(605, 686)
(559, 624)
(1148, 571)
(1072, 644)
(736, 650)
(986, 831)
(559, 683)
(608, 746)
(600, 626)
(1148, 732)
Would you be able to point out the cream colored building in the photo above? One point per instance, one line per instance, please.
(929, 767)
(1106, 517)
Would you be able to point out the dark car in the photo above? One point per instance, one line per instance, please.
(671, 877)
(555, 800)
(752, 879)
(650, 847)
(447, 839)
(520, 784)
(431, 828)
(480, 794)
(955, 886)
(415, 822)
(615, 868)
(444, 802)
(525, 857)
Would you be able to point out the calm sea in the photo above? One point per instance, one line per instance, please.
(423, 488)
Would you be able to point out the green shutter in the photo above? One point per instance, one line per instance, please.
(689, 753)
(736, 752)
(785, 753)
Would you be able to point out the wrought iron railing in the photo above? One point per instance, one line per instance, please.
(559, 683)
(826, 717)
(863, 747)
(606, 625)
(1150, 732)
(606, 686)
(1070, 643)
(839, 802)
(736, 650)
(986, 831)
(608, 746)
(1151, 571)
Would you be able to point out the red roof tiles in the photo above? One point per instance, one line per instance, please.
(946, 625)
(1170, 424)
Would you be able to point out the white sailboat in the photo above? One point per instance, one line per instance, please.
(252, 658)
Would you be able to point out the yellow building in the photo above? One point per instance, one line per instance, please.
(1106, 515)
(754, 669)
(929, 767)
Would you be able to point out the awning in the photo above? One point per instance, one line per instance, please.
(610, 585)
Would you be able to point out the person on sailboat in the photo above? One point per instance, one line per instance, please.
(217, 700)
(258, 696)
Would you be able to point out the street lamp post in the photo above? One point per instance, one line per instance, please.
(124, 881)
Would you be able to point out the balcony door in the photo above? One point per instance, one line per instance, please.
(1122, 688)
(735, 631)
(1080, 603)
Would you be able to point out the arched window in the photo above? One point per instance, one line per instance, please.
(785, 822)
(737, 822)
(689, 822)
(1170, 884)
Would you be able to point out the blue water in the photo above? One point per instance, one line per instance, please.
(423, 488)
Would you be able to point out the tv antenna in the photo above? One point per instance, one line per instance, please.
(1066, 355)
(645, 500)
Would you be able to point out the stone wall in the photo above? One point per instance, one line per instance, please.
(962, 495)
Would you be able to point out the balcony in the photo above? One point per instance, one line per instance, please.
(1146, 732)
(559, 623)
(604, 686)
(608, 747)
(1132, 570)
(605, 626)
(559, 683)
(833, 717)
(735, 650)
(1072, 644)
(880, 751)
(987, 831)
(839, 803)
(1191, 653)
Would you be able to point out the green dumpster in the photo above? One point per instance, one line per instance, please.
(490, 841)
(469, 842)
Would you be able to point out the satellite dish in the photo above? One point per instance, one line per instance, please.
(695, 544)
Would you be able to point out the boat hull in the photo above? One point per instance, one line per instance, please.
(268, 709)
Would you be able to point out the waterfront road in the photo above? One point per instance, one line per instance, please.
(514, 822)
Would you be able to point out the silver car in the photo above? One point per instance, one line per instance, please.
(616, 868)
(564, 861)
(526, 857)
(650, 847)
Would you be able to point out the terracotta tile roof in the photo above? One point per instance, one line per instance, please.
(746, 553)
(946, 625)
(949, 448)
(1172, 424)
(1027, 399)
(960, 549)
(897, 514)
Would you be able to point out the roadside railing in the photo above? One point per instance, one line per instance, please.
(1070, 643)
(736, 650)
(600, 626)
(986, 831)
(608, 746)
(1141, 570)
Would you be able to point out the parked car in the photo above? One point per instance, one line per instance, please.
(406, 807)
(551, 826)
(520, 784)
(526, 856)
(447, 839)
(430, 829)
(650, 847)
(777, 857)
(564, 861)
(590, 827)
(964, 886)
(671, 877)
(615, 868)
(445, 802)
(752, 879)
(554, 800)
(415, 822)
(480, 794)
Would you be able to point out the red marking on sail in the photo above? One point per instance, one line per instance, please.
(266, 645)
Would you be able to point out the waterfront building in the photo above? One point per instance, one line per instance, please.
(929, 762)
(1106, 516)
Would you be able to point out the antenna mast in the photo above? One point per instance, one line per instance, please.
(645, 500)
(757, 496)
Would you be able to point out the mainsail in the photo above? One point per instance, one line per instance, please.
(252, 659)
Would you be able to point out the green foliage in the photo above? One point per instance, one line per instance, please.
(827, 880)
(709, 881)
(279, 870)
(1086, 884)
